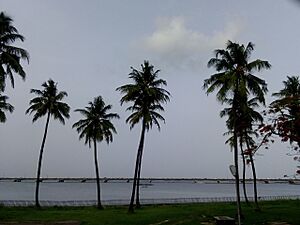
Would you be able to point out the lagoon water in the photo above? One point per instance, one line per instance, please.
(120, 190)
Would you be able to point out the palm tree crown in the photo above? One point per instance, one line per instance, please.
(291, 88)
(10, 56)
(289, 96)
(49, 101)
(4, 106)
(245, 116)
(146, 94)
(96, 124)
(235, 73)
(287, 108)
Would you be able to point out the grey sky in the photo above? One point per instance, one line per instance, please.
(88, 48)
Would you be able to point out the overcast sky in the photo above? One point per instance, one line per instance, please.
(88, 47)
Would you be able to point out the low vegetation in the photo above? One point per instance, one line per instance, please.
(273, 211)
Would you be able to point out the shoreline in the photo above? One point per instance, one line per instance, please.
(144, 201)
(149, 180)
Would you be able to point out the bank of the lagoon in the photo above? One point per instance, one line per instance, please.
(147, 180)
(117, 191)
(275, 211)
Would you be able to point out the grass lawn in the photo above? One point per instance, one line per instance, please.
(288, 211)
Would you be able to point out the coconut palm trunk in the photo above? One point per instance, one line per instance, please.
(254, 182)
(138, 204)
(99, 205)
(254, 176)
(37, 204)
(137, 199)
(137, 166)
(237, 185)
(244, 173)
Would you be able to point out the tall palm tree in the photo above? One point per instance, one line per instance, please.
(96, 127)
(246, 119)
(4, 106)
(10, 56)
(47, 103)
(147, 96)
(234, 79)
(288, 104)
(249, 119)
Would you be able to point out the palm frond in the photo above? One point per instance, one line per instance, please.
(10, 56)
(4, 107)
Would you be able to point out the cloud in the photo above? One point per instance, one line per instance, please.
(174, 43)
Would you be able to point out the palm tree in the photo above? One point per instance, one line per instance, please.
(246, 119)
(47, 103)
(96, 127)
(147, 96)
(288, 104)
(4, 106)
(291, 88)
(250, 117)
(234, 79)
(10, 56)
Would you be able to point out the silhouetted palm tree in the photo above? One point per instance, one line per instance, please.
(235, 80)
(246, 117)
(250, 118)
(47, 103)
(288, 103)
(291, 88)
(4, 107)
(147, 96)
(10, 56)
(96, 127)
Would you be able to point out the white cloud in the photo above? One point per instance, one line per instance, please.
(174, 43)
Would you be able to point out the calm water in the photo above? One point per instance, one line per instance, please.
(121, 190)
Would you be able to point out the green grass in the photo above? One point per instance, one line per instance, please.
(287, 211)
